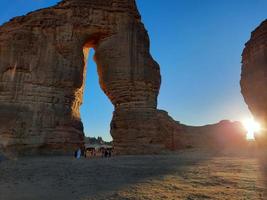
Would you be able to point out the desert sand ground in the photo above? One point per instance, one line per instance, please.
(190, 174)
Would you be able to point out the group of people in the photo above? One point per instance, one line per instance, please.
(106, 153)
(103, 152)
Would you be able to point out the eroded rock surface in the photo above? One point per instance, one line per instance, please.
(254, 74)
(220, 136)
(42, 68)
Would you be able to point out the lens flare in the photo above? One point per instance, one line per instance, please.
(251, 127)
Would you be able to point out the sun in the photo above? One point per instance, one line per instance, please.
(251, 127)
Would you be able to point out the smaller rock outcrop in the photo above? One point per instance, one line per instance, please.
(225, 134)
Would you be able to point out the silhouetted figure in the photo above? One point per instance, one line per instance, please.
(75, 154)
(103, 153)
(83, 152)
(94, 153)
(106, 153)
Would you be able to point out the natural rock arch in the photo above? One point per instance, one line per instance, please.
(41, 78)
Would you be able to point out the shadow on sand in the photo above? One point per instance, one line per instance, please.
(87, 179)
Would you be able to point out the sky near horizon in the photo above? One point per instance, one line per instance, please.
(198, 44)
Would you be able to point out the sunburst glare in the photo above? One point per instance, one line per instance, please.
(251, 127)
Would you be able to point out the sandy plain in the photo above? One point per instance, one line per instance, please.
(193, 174)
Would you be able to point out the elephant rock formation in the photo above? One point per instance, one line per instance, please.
(42, 69)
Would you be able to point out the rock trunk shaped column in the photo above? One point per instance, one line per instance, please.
(131, 79)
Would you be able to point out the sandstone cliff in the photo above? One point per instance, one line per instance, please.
(42, 68)
(254, 75)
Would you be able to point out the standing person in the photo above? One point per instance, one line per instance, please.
(106, 153)
(103, 152)
(94, 152)
(79, 152)
(75, 154)
(85, 152)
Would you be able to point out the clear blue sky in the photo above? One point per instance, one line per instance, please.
(198, 44)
